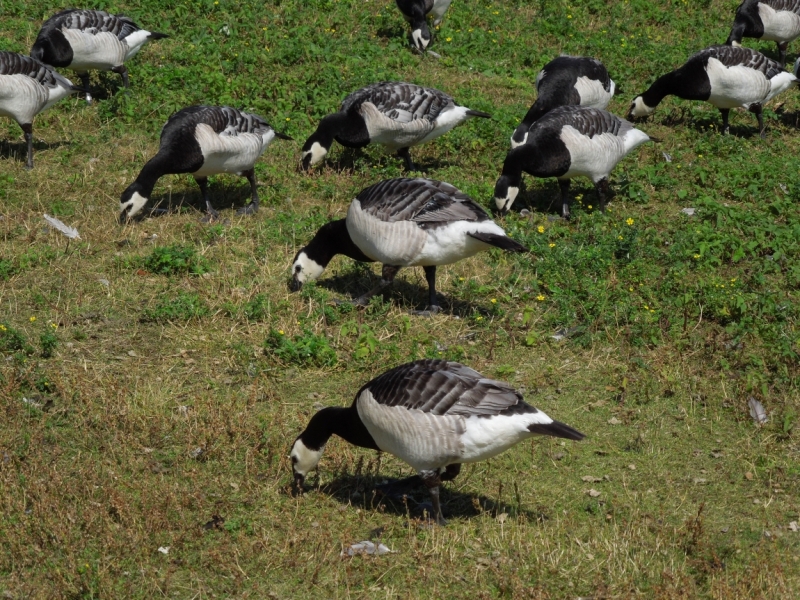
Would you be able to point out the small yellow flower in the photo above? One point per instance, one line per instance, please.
(448, 39)
(629, 221)
(32, 319)
(590, 207)
(288, 119)
(280, 332)
(579, 197)
(552, 245)
(630, 289)
(569, 16)
(540, 229)
(479, 318)
(646, 307)
(619, 237)
(696, 256)
(733, 280)
(540, 298)
(494, 300)
(699, 156)
(54, 325)
(461, 279)
(3, 328)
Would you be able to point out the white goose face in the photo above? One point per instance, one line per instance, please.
(504, 195)
(313, 155)
(640, 109)
(304, 460)
(419, 40)
(132, 206)
(304, 269)
(518, 139)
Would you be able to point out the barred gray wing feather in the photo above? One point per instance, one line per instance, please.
(442, 387)
(788, 5)
(95, 21)
(588, 121)
(403, 102)
(424, 201)
(12, 63)
(224, 120)
(733, 56)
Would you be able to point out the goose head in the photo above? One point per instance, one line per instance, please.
(639, 109)
(505, 191)
(304, 460)
(420, 35)
(131, 203)
(304, 269)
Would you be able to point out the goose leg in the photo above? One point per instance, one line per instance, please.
(123, 71)
(387, 278)
(725, 127)
(212, 215)
(251, 208)
(27, 129)
(782, 47)
(756, 109)
(401, 487)
(432, 481)
(85, 83)
(564, 185)
(433, 305)
(602, 190)
(406, 156)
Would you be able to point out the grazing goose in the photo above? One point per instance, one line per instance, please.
(776, 20)
(395, 114)
(567, 81)
(27, 87)
(90, 39)
(432, 414)
(403, 223)
(725, 76)
(568, 142)
(203, 141)
(416, 12)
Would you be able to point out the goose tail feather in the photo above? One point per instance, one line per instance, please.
(477, 113)
(499, 241)
(155, 35)
(556, 429)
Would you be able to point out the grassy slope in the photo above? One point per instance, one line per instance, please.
(674, 322)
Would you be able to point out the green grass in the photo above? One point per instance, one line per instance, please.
(154, 376)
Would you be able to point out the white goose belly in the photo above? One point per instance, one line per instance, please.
(451, 242)
(593, 157)
(735, 86)
(229, 153)
(779, 26)
(592, 92)
(22, 98)
(95, 51)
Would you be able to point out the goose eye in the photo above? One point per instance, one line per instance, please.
(294, 460)
(298, 268)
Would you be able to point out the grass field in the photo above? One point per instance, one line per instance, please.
(154, 376)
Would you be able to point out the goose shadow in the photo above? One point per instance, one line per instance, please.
(737, 124)
(790, 119)
(19, 150)
(225, 194)
(402, 293)
(391, 32)
(351, 160)
(364, 492)
(547, 199)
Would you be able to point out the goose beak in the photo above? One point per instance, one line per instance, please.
(299, 480)
(295, 284)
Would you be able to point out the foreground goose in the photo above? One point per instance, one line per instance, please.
(431, 414)
(725, 76)
(567, 142)
(403, 223)
(27, 87)
(83, 40)
(776, 20)
(395, 114)
(416, 12)
(567, 81)
(203, 141)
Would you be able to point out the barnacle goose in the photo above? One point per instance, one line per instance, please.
(416, 12)
(403, 223)
(395, 114)
(776, 20)
(567, 81)
(27, 87)
(568, 142)
(203, 141)
(83, 40)
(725, 76)
(431, 414)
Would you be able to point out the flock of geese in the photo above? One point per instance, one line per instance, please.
(432, 414)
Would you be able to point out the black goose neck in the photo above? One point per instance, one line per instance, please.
(662, 87)
(332, 239)
(343, 422)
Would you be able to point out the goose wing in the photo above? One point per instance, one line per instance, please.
(424, 201)
(441, 387)
(739, 56)
(402, 102)
(12, 63)
(93, 22)
(588, 121)
(224, 120)
(785, 5)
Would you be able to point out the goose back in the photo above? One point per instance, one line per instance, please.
(28, 87)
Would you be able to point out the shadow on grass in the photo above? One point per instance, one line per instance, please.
(365, 492)
(547, 199)
(19, 150)
(226, 192)
(351, 160)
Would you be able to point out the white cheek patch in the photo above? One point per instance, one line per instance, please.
(514, 143)
(505, 203)
(317, 152)
(640, 109)
(309, 270)
(136, 204)
(304, 459)
(736, 44)
(418, 40)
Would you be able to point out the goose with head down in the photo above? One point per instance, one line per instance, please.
(85, 40)
(432, 414)
(28, 87)
(416, 12)
(567, 142)
(203, 141)
(395, 114)
(775, 20)
(404, 223)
